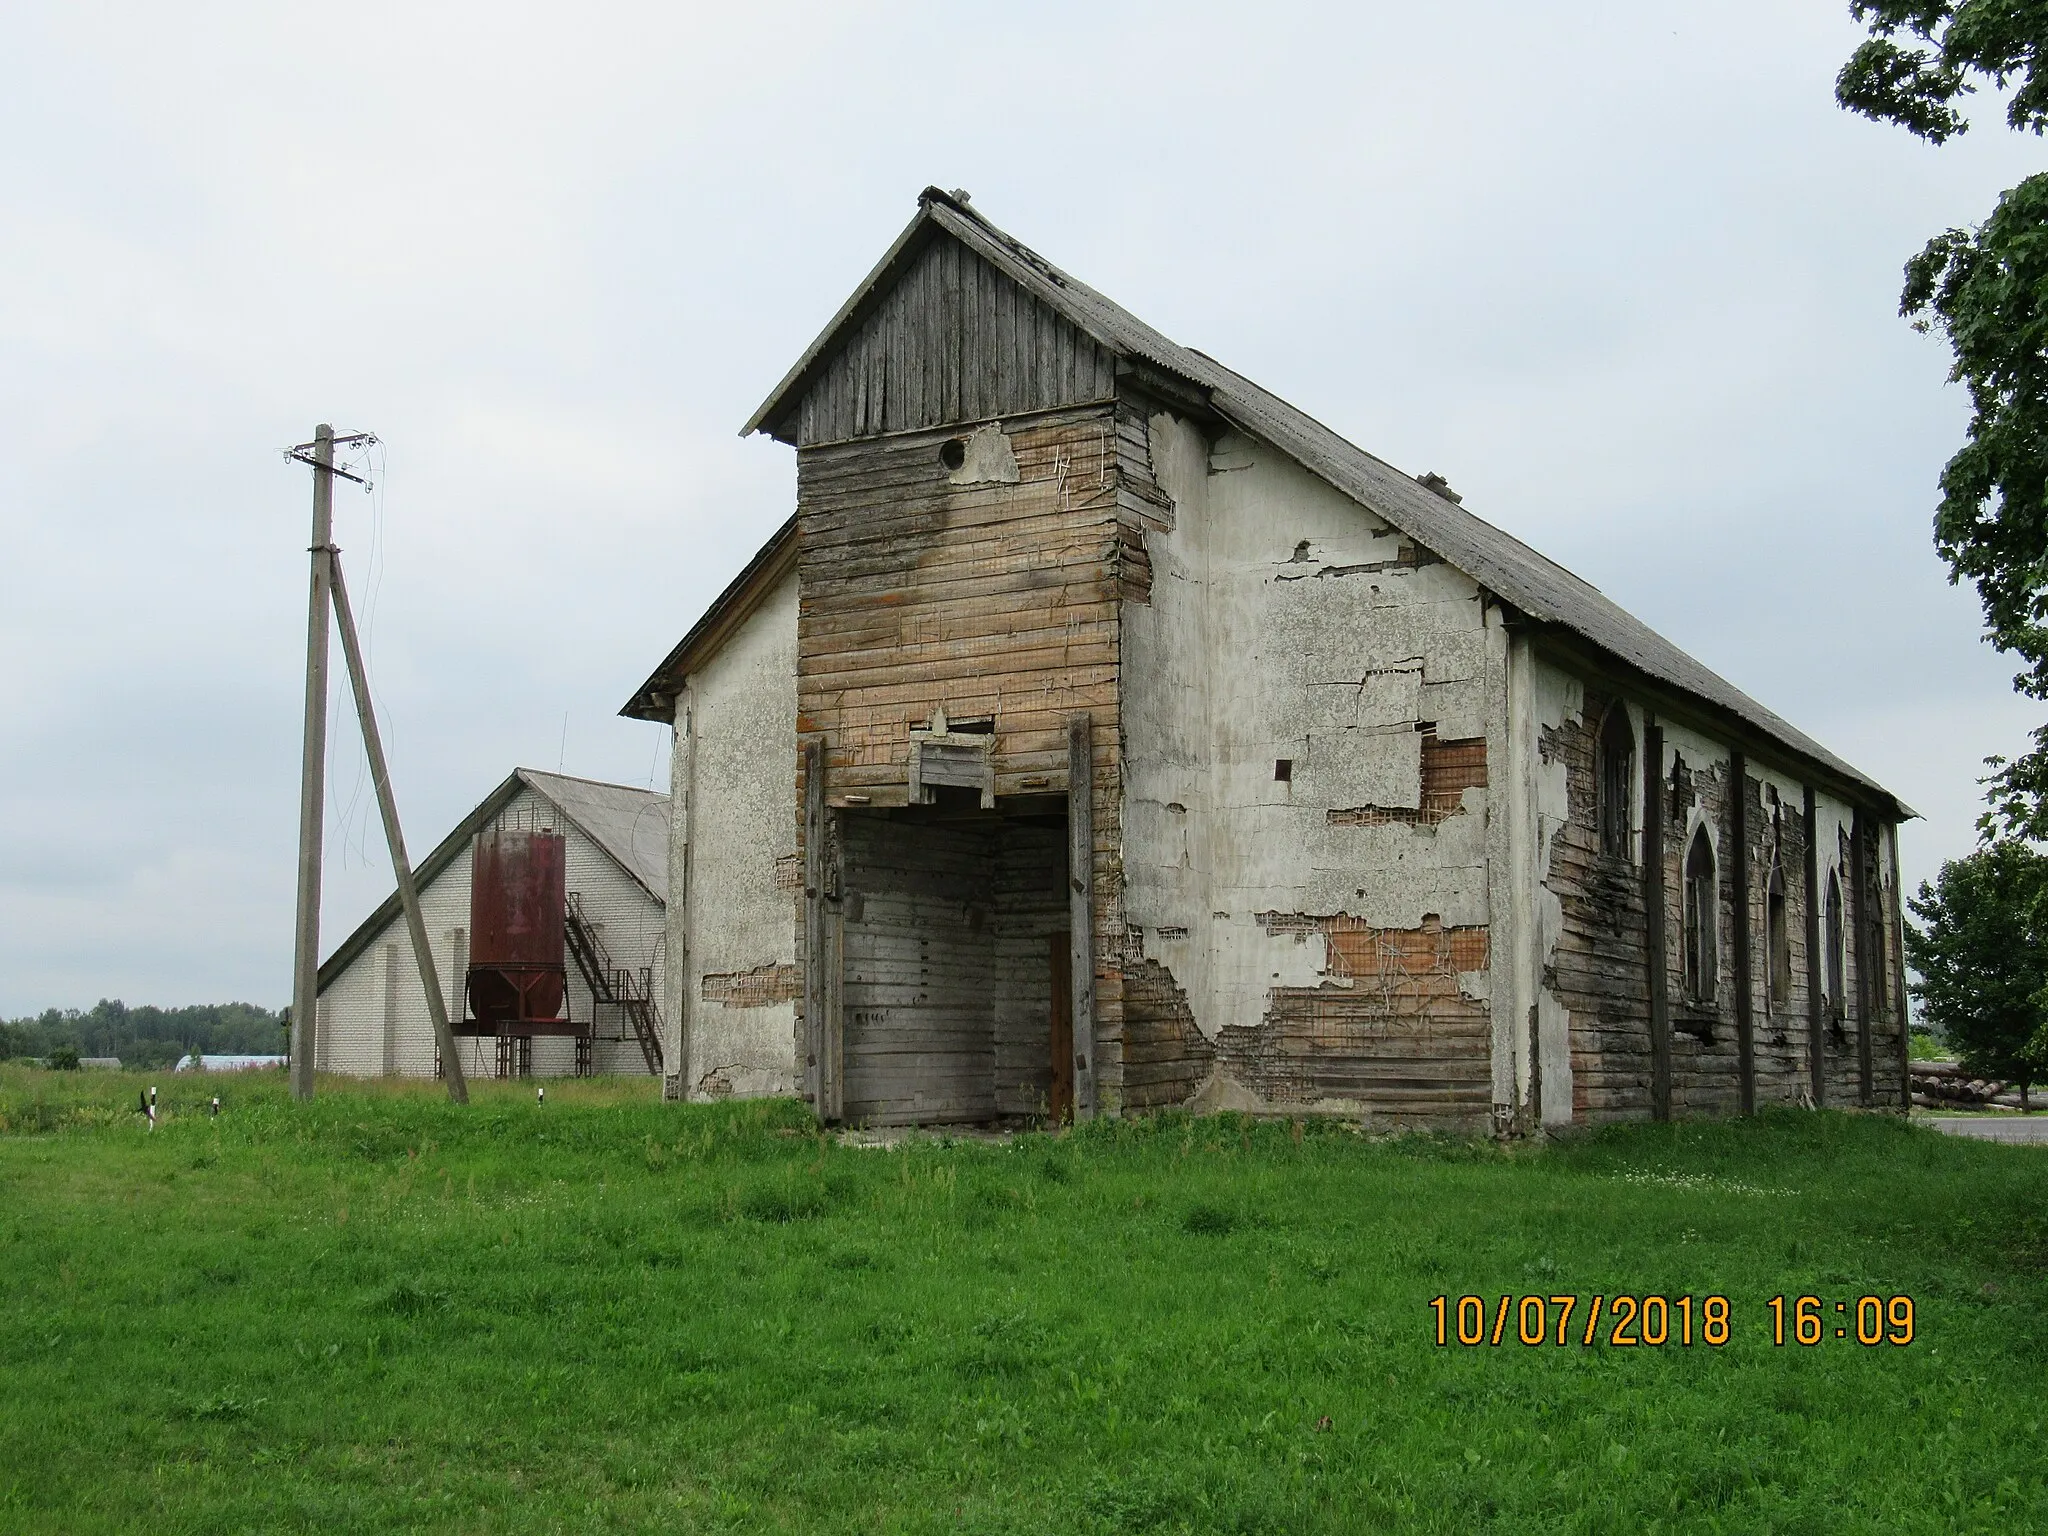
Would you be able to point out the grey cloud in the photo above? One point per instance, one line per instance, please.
(1624, 274)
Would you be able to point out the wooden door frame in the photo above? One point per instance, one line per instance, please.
(824, 962)
(1081, 905)
(1060, 1106)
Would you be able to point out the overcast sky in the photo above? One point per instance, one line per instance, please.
(1623, 273)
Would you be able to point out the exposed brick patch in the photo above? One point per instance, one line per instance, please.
(1358, 949)
(789, 873)
(1390, 1030)
(1449, 768)
(761, 987)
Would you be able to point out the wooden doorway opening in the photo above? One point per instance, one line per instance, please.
(954, 924)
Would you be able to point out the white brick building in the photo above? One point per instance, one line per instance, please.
(373, 1018)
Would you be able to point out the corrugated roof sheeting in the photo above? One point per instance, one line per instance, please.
(629, 824)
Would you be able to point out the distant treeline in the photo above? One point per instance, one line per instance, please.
(146, 1038)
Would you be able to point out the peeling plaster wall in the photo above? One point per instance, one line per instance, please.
(1558, 699)
(1353, 931)
(1284, 623)
(733, 874)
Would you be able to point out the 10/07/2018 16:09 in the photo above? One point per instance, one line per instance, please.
(1655, 1320)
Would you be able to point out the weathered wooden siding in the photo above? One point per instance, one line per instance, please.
(1166, 1056)
(1029, 906)
(918, 1042)
(1778, 839)
(1391, 1030)
(1705, 1077)
(1845, 1023)
(992, 600)
(947, 993)
(953, 341)
(1600, 968)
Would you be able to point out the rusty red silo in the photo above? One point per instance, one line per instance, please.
(518, 896)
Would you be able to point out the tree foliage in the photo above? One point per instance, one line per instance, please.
(1986, 291)
(1981, 969)
(145, 1037)
(1918, 82)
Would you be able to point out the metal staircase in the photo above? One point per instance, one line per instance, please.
(631, 992)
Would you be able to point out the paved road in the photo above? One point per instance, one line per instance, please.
(2030, 1130)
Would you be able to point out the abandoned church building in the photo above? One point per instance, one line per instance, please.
(1103, 734)
(545, 912)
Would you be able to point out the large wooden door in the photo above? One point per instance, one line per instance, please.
(1060, 1101)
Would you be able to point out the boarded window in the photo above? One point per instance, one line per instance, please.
(1837, 963)
(1702, 946)
(1617, 777)
(1777, 938)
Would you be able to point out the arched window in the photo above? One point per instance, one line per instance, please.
(1837, 962)
(1777, 937)
(1702, 938)
(1616, 779)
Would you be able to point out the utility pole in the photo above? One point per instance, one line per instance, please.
(312, 768)
(394, 838)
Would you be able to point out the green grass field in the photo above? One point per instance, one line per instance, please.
(378, 1313)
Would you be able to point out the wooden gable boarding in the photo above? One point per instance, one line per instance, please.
(958, 546)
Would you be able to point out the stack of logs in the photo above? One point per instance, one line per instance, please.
(1944, 1085)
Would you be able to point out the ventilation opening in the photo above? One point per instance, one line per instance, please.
(1283, 769)
(953, 452)
(984, 725)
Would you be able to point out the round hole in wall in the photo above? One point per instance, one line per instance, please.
(953, 453)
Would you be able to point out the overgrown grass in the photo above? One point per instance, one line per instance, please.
(379, 1313)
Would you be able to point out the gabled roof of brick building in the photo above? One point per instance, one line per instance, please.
(630, 826)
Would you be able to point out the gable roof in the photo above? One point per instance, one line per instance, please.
(742, 595)
(1539, 588)
(630, 826)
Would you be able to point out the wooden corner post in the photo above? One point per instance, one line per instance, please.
(1081, 905)
(1738, 878)
(824, 1083)
(1859, 892)
(1895, 925)
(1816, 1037)
(1656, 953)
